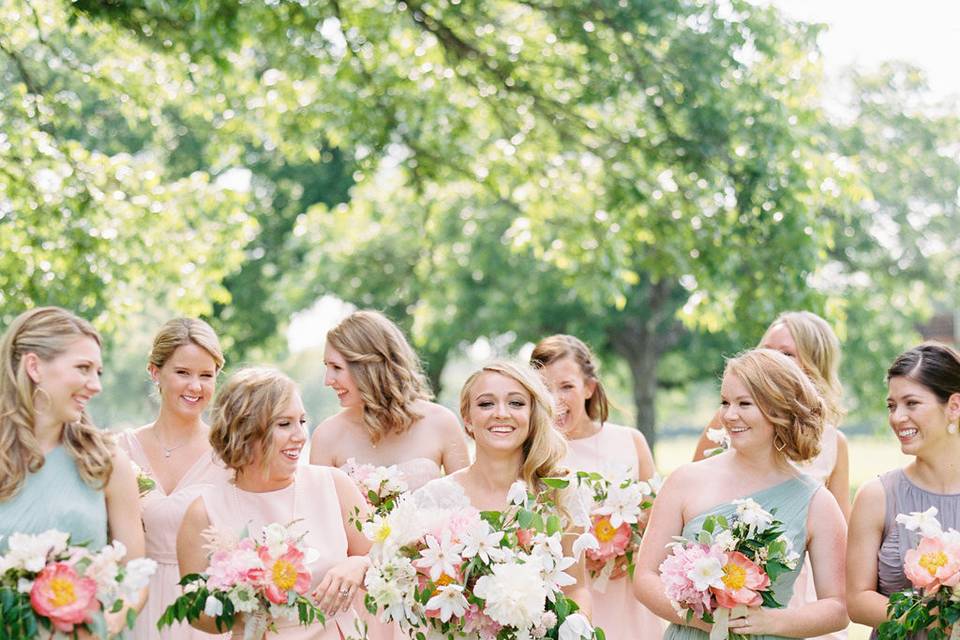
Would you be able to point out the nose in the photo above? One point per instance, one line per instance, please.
(328, 378)
(194, 384)
(501, 411)
(94, 384)
(898, 415)
(728, 414)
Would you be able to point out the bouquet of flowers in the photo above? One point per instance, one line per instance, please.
(48, 584)
(380, 486)
(730, 566)
(459, 573)
(618, 517)
(265, 578)
(719, 437)
(933, 568)
(145, 483)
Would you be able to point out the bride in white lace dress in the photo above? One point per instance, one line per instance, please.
(507, 411)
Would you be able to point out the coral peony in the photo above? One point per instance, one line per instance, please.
(613, 540)
(932, 563)
(283, 573)
(64, 596)
(742, 579)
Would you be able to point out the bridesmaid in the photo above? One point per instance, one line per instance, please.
(508, 412)
(923, 404)
(570, 371)
(809, 340)
(175, 451)
(259, 431)
(773, 415)
(387, 417)
(57, 470)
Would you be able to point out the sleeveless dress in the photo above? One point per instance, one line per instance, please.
(791, 499)
(312, 505)
(820, 468)
(56, 497)
(616, 610)
(902, 496)
(162, 514)
(416, 473)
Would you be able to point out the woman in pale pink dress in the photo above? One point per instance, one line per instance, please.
(594, 445)
(174, 450)
(808, 339)
(387, 417)
(259, 431)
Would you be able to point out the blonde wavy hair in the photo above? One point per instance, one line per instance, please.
(47, 332)
(244, 411)
(180, 332)
(544, 447)
(787, 398)
(385, 369)
(818, 352)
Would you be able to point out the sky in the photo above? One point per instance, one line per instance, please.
(867, 32)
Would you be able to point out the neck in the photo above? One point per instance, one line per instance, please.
(583, 428)
(496, 472)
(177, 427)
(761, 461)
(48, 432)
(257, 481)
(939, 470)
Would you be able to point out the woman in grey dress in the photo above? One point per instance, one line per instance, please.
(924, 412)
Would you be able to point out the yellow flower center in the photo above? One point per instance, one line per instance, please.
(63, 593)
(444, 580)
(284, 574)
(933, 561)
(382, 533)
(734, 576)
(605, 530)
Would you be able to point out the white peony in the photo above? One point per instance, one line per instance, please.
(753, 515)
(514, 594)
(30, 551)
(576, 627)
(923, 521)
(706, 572)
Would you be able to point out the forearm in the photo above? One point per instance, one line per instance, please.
(867, 607)
(580, 593)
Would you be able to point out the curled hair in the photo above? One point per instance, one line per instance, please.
(544, 447)
(560, 346)
(385, 369)
(180, 332)
(244, 412)
(786, 397)
(934, 365)
(46, 332)
(818, 352)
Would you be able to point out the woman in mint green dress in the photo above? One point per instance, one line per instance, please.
(57, 470)
(773, 415)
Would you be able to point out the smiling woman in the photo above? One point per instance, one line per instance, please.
(259, 430)
(57, 470)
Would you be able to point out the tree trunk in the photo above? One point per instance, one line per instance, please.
(637, 345)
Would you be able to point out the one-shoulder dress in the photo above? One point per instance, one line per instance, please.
(791, 500)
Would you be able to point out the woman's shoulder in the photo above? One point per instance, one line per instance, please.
(435, 414)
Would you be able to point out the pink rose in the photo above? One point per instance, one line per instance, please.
(742, 580)
(64, 596)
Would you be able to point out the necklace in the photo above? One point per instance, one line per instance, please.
(168, 450)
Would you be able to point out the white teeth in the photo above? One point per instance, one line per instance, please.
(738, 429)
(907, 433)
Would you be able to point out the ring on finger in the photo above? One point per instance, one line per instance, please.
(344, 591)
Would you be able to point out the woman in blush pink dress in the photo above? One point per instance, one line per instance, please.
(174, 450)
(259, 431)
(570, 371)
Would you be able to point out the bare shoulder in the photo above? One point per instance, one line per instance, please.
(688, 475)
(823, 504)
(330, 429)
(437, 414)
(870, 503)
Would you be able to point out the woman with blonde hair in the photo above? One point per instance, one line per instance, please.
(923, 406)
(58, 470)
(259, 431)
(174, 450)
(774, 417)
(387, 417)
(571, 372)
(508, 413)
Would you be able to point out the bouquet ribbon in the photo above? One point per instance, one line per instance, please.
(721, 621)
(256, 626)
(602, 581)
(955, 632)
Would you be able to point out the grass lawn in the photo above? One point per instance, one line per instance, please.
(869, 457)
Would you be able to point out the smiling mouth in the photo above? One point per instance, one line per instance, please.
(906, 434)
(191, 399)
(502, 430)
(292, 454)
(737, 429)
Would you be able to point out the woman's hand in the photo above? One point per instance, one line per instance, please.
(755, 622)
(340, 585)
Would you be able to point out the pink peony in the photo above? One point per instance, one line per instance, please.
(933, 563)
(64, 596)
(283, 573)
(613, 541)
(229, 567)
(457, 523)
(742, 582)
(475, 621)
(675, 572)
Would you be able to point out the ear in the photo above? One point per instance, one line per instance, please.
(154, 372)
(589, 387)
(31, 364)
(469, 429)
(953, 407)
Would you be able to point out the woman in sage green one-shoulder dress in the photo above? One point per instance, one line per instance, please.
(774, 415)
